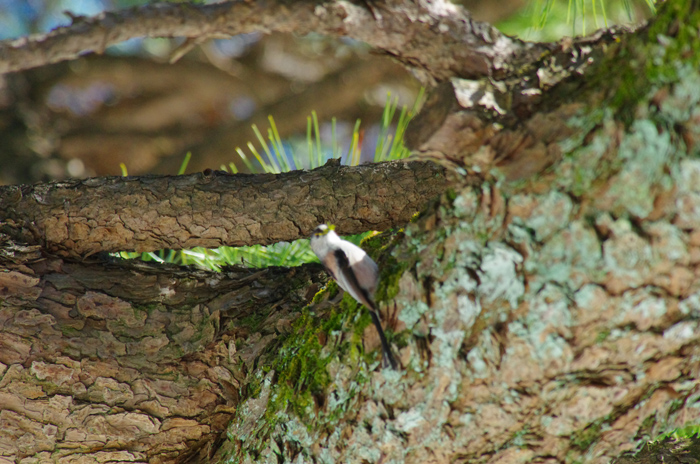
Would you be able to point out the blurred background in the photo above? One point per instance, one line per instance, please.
(131, 107)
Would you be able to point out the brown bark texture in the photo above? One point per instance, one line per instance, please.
(132, 362)
(472, 49)
(211, 209)
(548, 313)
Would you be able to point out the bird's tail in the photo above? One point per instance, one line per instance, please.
(386, 349)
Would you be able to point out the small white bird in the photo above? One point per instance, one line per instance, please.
(354, 271)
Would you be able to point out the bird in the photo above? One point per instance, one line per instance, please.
(355, 272)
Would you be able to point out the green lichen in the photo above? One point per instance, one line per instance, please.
(550, 213)
(302, 362)
(673, 38)
(681, 104)
(584, 438)
(608, 143)
(380, 248)
(306, 364)
(602, 336)
(253, 321)
(519, 438)
(657, 66)
(582, 164)
(499, 277)
(635, 67)
(648, 423)
(68, 331)
(148, 308)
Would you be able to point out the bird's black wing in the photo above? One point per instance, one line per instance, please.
(344, 267)
(349, 274)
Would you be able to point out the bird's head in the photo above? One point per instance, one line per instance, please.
(322, 230)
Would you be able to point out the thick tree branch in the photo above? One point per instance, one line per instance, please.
(436, 39)
(82, 217)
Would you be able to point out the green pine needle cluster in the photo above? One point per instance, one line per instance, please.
(273, 155)
(549, 20)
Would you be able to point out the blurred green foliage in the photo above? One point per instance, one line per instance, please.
(273, 155)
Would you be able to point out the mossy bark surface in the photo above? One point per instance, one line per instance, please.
(549, 314)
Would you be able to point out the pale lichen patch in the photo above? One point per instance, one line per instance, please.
(54, 373)
(687, 177)
(645, 154)
(626, 255)
(109, 391)
(499, 276)
(412, 309)
(544, 215)
(571, 257)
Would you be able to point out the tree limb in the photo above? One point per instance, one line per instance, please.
(211, 209)
(437, 40)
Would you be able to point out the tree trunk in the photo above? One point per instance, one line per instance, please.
(131, 361)
(548, 314)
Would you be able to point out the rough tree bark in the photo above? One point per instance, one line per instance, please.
(211, 209)
(128, 361)
(547, 314)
